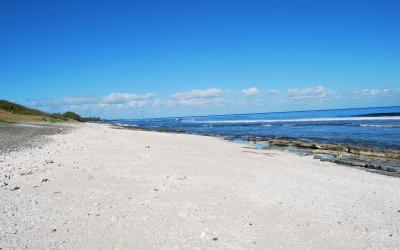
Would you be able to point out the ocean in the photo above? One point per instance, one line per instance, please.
(377, 127)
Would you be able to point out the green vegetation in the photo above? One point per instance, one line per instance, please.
(91, 119)
(72, 116)
(19, 109)
(69, 115)
(54, 120)
(11, 112)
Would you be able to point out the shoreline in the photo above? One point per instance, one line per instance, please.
(100, 187)
(377, 160)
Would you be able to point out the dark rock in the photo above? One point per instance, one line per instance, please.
(325, 157)
(15, 188)
(350, 162)
(387, 153)
(215, 239)
(377, 159)
(390, 169)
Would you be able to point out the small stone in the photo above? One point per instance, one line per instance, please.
(155, 189)
(215, 239)
(49, 162)
(15, 188)
(181, 177)
(53, 230)
(45, 180)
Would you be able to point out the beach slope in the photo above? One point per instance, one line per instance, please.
(98, 187)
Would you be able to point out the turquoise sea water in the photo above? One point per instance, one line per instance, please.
(367, 127)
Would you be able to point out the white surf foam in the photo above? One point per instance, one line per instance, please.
(301, 120)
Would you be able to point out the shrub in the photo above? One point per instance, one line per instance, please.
(72, 115)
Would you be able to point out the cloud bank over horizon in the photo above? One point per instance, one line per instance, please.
(212, 101)
(158, 59)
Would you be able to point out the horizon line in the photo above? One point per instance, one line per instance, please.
(255, 113)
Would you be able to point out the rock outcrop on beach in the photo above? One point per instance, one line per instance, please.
(386, 153)
(387, 160)
(383, 161)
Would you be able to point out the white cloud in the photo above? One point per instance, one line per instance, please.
(250, 91)
(132, 102)
(198, 93)
(72, 100)
(117, 98)
(197, 97)
(156, 103)
(273, 92)
(318, 92)
(374, 92)
(116, 101)
(367, 92)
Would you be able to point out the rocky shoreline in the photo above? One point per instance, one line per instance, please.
(386, 153)
(382, 161)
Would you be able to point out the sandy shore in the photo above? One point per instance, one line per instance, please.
(102, 188)
(17, 136)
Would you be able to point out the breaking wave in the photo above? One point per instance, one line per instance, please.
(297, 120)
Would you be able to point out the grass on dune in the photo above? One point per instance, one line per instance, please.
(10, 117)
(13, 112)
(54, 120)
(17, 109)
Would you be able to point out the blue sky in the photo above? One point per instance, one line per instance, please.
(130, 59)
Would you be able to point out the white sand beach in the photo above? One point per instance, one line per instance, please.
(98, 187)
